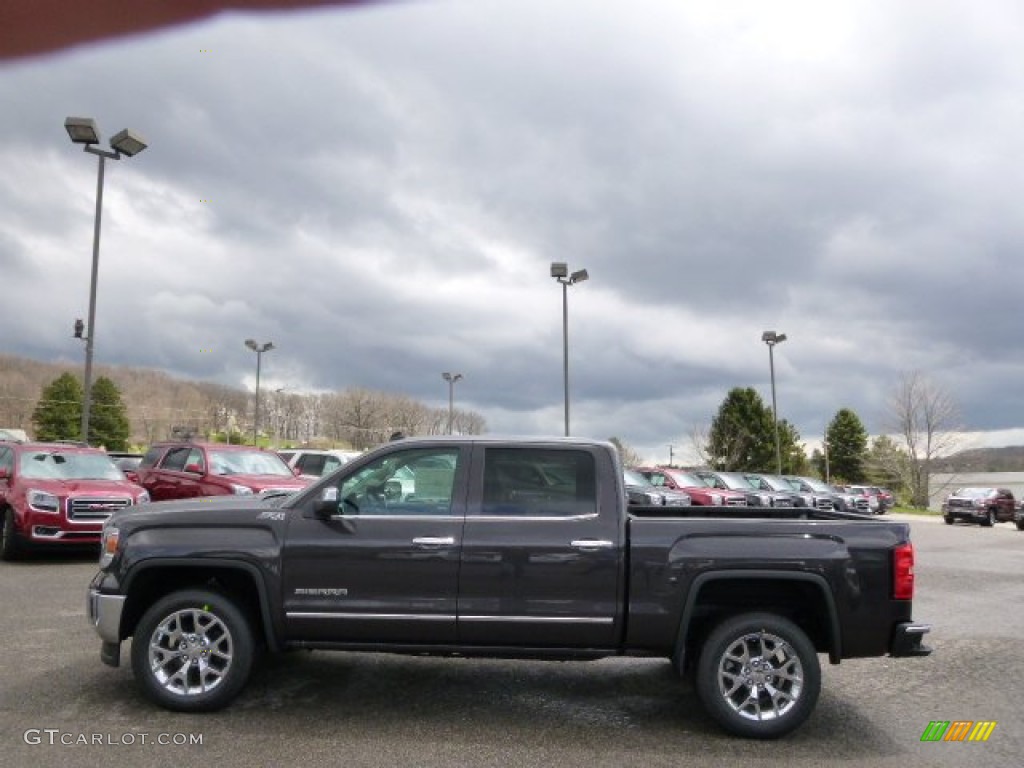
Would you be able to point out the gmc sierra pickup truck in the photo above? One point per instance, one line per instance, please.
(497, 547)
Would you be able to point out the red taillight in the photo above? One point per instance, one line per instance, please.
(903, 572)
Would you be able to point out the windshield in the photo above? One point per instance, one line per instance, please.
(974, 493)
(635, 478)
(248, 463)
(773, 483)
(736, 482)
(686, 480)
(817, 485)
(58, 465)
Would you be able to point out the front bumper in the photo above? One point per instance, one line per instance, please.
(967, 515)
(104, 613)
(906, 640)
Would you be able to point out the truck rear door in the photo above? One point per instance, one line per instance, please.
(542, 548)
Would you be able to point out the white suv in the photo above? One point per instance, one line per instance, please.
(314, 463)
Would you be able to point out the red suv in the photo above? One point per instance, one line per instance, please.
(700, 492)
(54, 493)
(188, 470)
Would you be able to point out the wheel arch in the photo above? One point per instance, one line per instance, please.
(803, 598)
(152, 580)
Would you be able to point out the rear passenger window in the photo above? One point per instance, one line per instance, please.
(537, 482)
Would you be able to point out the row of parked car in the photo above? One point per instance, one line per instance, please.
(751, 489)
(61, 493)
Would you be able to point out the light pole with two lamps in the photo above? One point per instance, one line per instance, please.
(560, 271)
(771, 338)
(451, 378)
(83, 130)
(259, 349)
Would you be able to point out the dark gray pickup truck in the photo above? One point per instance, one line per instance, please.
(503, 547)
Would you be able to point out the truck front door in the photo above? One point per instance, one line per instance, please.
(384, 567)
(541, 552)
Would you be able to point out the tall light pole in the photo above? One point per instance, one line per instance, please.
(259, 349)
(560, 271)
(771, 338)
(83, 130)
(824, 445)
(451, 378)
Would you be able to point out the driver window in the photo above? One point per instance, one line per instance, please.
(413, 482)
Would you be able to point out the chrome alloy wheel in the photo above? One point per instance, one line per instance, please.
(190, 652)
(760, 676)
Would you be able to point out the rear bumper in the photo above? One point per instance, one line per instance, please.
(907, 640)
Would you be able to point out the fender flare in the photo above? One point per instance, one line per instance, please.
(817, 580)
(223, 563)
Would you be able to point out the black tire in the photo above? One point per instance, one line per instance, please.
(11, 547)
(192, 651)
(947, 519)
(1020, 524)
(758, 676)
(989, 520)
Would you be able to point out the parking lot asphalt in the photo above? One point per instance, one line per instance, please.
(60, 706)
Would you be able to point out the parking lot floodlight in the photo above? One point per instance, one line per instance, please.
(771, 338)
(82, 130)
(259, 349)
(128, 142)
(560, 271)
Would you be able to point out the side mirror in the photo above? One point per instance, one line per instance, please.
(4, 474)
(327, 504)
(195, 469)
(296, 471)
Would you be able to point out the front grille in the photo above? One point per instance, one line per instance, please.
(736, 502)
(87, 509)
(862, 503)
(823, 502)
(961, 504)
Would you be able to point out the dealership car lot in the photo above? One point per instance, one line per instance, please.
(376, 710)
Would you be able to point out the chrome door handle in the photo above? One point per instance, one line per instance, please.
(591, 545)
(434, 541)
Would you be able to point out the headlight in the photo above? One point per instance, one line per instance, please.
(108, 544)
(654, 499)
(143, 498)
(42, 501)
(241, 490)
(716, 499)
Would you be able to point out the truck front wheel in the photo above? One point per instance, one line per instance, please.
(192, 651)
(758, 675)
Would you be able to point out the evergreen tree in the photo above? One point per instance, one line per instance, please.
(742, 435)
(108, 417)
(58, 414)
(847, 446)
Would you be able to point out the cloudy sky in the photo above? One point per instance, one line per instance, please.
(380, 191)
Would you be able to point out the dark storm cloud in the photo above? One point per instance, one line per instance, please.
(380, 193)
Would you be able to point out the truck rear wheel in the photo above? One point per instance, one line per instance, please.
(192, 651)
(758, 675)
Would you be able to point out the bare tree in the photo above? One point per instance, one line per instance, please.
(699, 441)
(927, 419)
